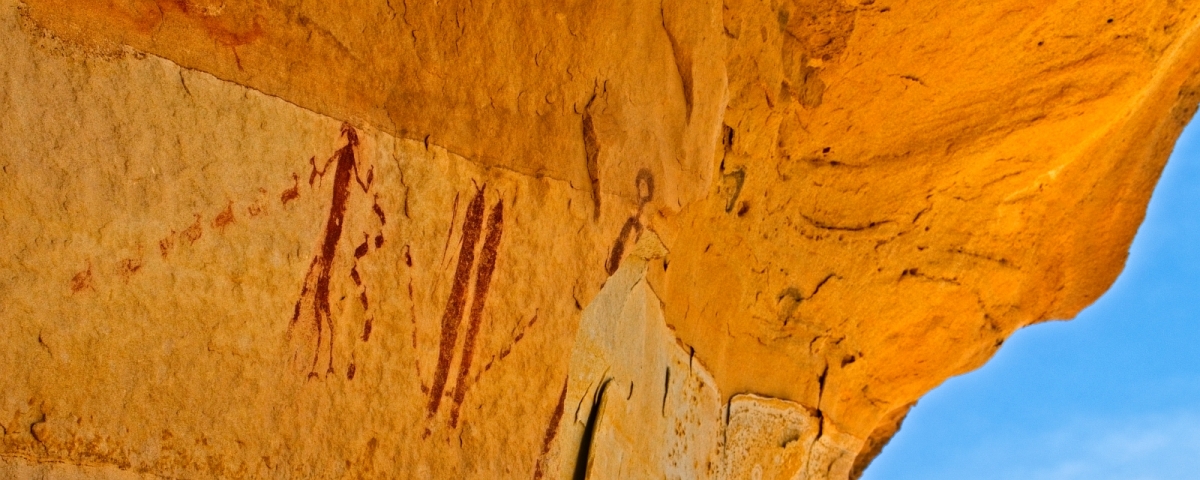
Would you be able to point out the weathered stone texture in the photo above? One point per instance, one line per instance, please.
(519, 239)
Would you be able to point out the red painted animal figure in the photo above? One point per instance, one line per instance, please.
(316, 281)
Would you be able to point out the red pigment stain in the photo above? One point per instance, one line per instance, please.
(166, 244)
(506, 351)
(483, 280)
(228, 31)
(224, 218)
(130, 266)
(316, 289)
(82, 280)
(453, 314)
(193, 233)
(291, 193)
(551, 432)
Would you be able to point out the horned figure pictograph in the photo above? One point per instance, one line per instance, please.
(633, 225)
(313, 306)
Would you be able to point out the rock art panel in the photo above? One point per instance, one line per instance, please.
(214, 289)
(313, 303)
(479, 240)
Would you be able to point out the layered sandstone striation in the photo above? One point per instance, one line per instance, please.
(381, 239)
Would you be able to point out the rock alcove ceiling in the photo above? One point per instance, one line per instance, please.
(533, 239)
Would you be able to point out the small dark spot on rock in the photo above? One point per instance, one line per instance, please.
(825, 150)
(743, 209)
(1110, 20)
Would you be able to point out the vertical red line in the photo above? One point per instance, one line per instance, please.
(483, 280)
(551, 432)
(453, 314)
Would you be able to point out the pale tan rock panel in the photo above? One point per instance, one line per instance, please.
(160, 227)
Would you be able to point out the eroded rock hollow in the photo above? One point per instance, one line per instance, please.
(464, 239)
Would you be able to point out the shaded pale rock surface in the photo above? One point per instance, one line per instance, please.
(463, 239)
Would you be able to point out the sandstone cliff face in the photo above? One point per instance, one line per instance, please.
(553, 240)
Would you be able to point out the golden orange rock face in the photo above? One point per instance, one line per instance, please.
(510, 81)
(521, 239)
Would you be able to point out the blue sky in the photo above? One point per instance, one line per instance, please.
(1113, 394)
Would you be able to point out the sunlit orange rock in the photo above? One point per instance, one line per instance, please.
(385, 239)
